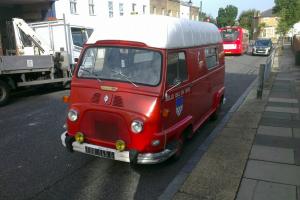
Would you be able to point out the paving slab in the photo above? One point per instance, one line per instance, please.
(274, 172)
(261, 190)
(280, 123)
(281, 95)
(272, 154)
(282, 104)
(274, 141)
(283, 100)
(247, 189)
(277, 115)
(296, 132)
(226, 158)
(282, 109)
(275, 131)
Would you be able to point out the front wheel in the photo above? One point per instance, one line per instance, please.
(4, 93)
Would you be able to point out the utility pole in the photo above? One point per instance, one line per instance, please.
(190, 3)
(200, 12)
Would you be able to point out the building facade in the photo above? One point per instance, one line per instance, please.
(267, 24)
(174, 8)
(90, 12)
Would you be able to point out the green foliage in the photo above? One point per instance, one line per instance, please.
(246, 20)
(289, 13)
(227, 16)
(207, 18)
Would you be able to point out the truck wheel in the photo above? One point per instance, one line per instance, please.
(216, 114)
(179, 149)
(4, 93)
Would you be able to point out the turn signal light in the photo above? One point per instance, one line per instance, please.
(66, 99)
(165, 112)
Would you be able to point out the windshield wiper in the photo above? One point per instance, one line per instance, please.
(123, 75)
(91, 75)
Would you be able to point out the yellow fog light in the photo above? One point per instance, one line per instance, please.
(120, 145)
(79, 137)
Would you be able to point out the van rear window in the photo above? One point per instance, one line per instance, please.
(139, 66)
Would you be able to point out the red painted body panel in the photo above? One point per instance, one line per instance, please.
(103, 123)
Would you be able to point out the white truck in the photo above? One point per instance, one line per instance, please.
(37, 53)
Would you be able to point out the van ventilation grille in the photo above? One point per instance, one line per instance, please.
(118, 101)
(96, 98)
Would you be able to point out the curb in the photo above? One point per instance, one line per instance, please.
(179, 180)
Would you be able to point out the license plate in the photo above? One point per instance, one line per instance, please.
(100, 152)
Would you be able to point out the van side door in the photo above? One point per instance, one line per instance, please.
(177, 88)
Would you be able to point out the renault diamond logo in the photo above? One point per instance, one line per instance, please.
(105, 98)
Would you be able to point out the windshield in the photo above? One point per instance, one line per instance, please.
(229, 34)
(79, 36)
(262, 43)
(121, 64)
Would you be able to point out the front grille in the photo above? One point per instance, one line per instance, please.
(118, 101)
(96, 98)
(104, 126)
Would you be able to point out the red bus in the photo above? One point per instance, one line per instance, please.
(235, 40)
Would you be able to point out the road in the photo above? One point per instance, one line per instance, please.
(34, 164)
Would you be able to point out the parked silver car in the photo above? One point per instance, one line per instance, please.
(262, 47)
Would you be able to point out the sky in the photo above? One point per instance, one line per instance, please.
(212, 6)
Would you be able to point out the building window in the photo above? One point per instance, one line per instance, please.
(154, 10)
(211, 57)
(73, 6)
(121, 9)
(144, 9)
(133, 7)
(110, 9)
(91, 7)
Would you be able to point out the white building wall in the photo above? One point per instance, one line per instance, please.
(101, 11)
(184, 11)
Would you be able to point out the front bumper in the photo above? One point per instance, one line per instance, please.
(261, 52)
(146, 158)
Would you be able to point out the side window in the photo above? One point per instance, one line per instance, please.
(211, 57)
(200, 59)
(177, 68)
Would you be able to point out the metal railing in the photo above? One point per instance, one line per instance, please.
(265, 70)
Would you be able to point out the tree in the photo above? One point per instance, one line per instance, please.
(246, 20)
(288, 12)
(207, 18)
(227, 16)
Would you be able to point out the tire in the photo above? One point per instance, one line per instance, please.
(216, 114)
(4, 93)
(179, 149)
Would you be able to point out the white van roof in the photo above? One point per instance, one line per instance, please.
(157, 31)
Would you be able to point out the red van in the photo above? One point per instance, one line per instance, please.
(142, 85)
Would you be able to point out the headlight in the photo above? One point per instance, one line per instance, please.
(72, 115)
(137, 126)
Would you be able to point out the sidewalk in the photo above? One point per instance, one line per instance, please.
(257, 154)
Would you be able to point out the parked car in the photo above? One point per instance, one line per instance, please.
(262, 47)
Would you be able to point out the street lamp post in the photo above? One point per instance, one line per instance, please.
(190, 3)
